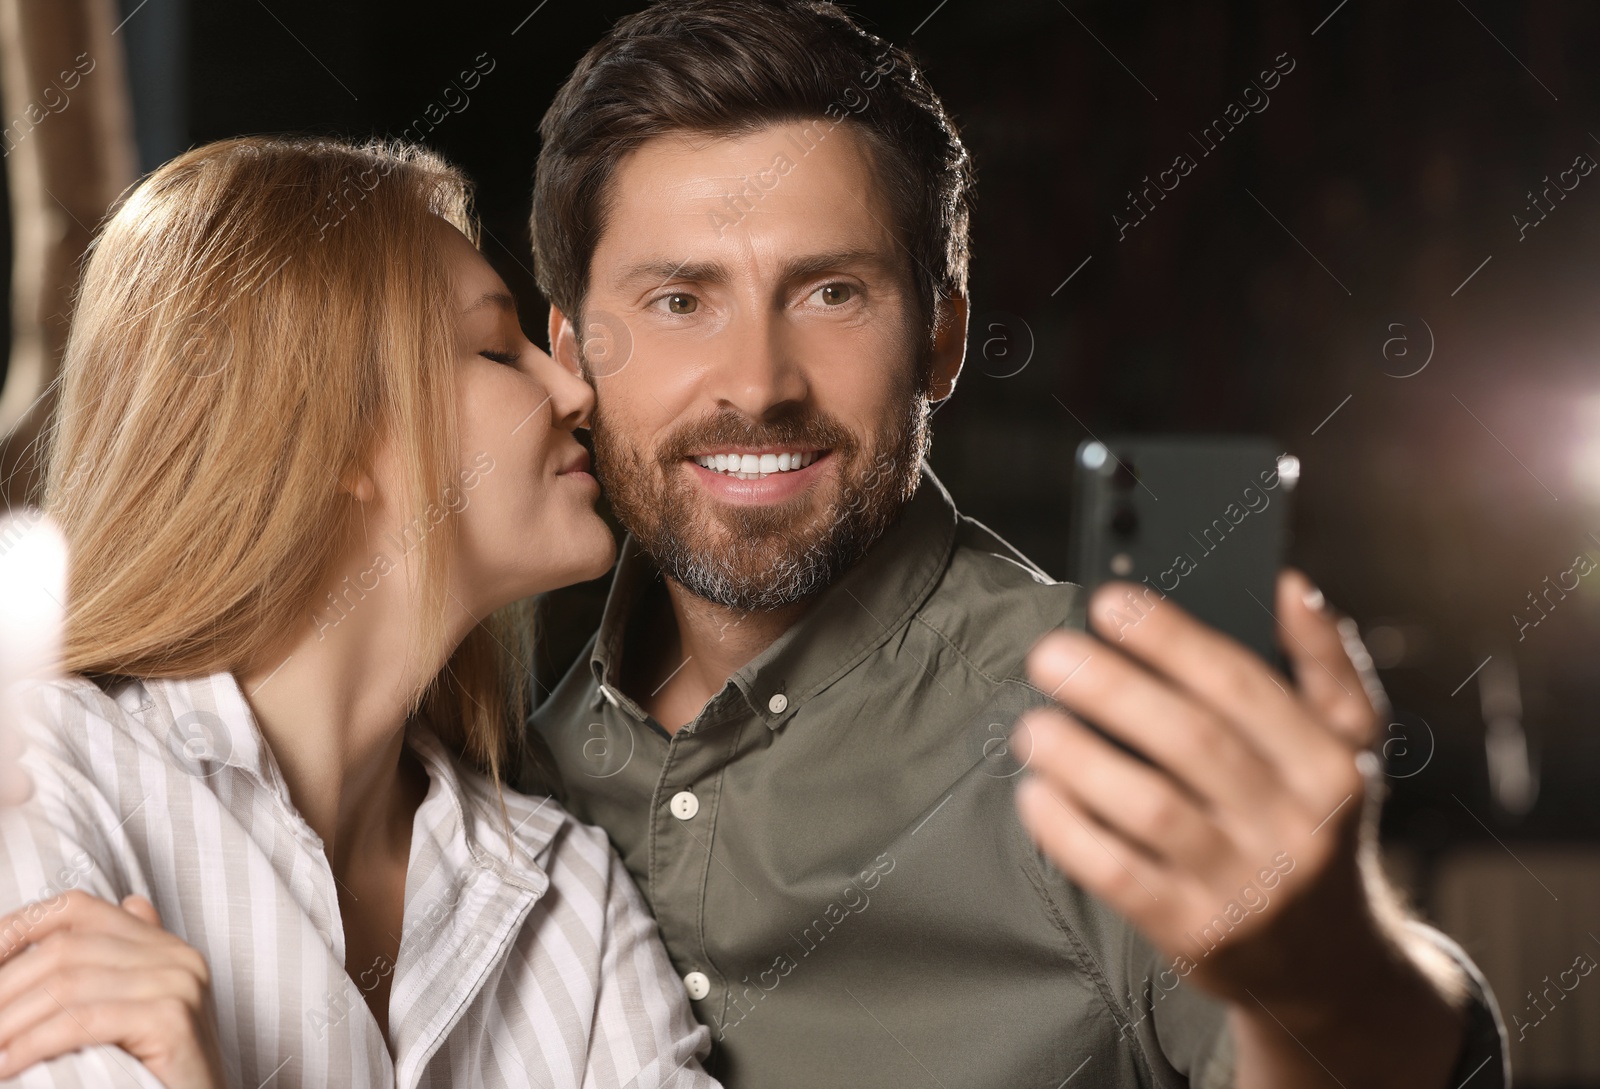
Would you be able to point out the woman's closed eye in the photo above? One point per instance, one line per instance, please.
(507, 357)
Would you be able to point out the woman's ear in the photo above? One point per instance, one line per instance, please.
(358, 482)
(564, 347)
(949, 346)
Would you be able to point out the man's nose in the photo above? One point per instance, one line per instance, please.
(757, 365)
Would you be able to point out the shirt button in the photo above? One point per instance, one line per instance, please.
(684, 806)
(778, 703)
(697, 985)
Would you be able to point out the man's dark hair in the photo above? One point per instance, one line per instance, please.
(728, 67)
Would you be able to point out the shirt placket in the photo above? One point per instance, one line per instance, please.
(683, 853)
(437, 986)
(321, 904)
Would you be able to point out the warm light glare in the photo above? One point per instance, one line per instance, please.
(33, 585)
(1586, 447)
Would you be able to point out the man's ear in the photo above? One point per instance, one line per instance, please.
(949, 347)
(564, 347)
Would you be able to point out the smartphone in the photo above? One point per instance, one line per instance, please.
(1201, 520)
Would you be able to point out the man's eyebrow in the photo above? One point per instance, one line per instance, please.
(493, 298)
(812, 264)
(665, 270)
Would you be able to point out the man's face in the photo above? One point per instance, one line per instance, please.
(776, 326)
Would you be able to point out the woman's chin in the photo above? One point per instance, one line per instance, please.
(605, 554)
(585, 558)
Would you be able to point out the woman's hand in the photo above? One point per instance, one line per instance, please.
(78, 971)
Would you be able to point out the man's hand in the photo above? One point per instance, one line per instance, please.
(88, 972)
(1237, 850)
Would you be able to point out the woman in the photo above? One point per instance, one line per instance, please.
(302, 453)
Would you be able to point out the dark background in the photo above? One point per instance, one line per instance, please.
(1396, 151)
(1256, 297)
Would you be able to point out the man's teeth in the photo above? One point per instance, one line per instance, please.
(755, 466)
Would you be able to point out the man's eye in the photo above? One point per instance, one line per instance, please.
(682, 304)
(835, 294)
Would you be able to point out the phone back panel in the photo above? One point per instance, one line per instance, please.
(1201, 519)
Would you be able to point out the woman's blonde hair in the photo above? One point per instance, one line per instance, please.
(253, 320)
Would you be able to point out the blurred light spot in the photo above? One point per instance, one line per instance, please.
(33, 585)
(1387, 645)
(1586, 449)
(1396, 643)
(1513, 770)
(1289, 471)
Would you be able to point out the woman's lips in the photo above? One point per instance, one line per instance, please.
(579, 464)
(581, 471)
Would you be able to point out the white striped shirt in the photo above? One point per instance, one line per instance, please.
(536, 968)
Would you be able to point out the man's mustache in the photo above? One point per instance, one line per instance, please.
(811, 430)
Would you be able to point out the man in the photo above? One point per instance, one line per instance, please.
(751, 220)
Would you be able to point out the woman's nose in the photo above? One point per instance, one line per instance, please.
(571, 398)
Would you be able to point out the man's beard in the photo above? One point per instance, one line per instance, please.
(753, 558)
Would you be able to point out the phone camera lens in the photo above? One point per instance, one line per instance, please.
(1125, 521)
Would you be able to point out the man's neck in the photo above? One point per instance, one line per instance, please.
(681, 649)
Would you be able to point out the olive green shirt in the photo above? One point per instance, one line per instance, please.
(834, 856)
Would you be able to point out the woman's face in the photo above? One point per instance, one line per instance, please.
(524, 494)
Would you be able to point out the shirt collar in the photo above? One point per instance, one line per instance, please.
(207, 724)
(210, 726)
(851, 618)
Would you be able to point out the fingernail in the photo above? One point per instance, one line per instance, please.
(1313, 598)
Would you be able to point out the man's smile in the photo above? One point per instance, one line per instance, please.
(751, 463)
(751, 476)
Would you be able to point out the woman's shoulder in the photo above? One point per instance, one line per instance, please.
(59, 714)
(83, 743)
(105, 726)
